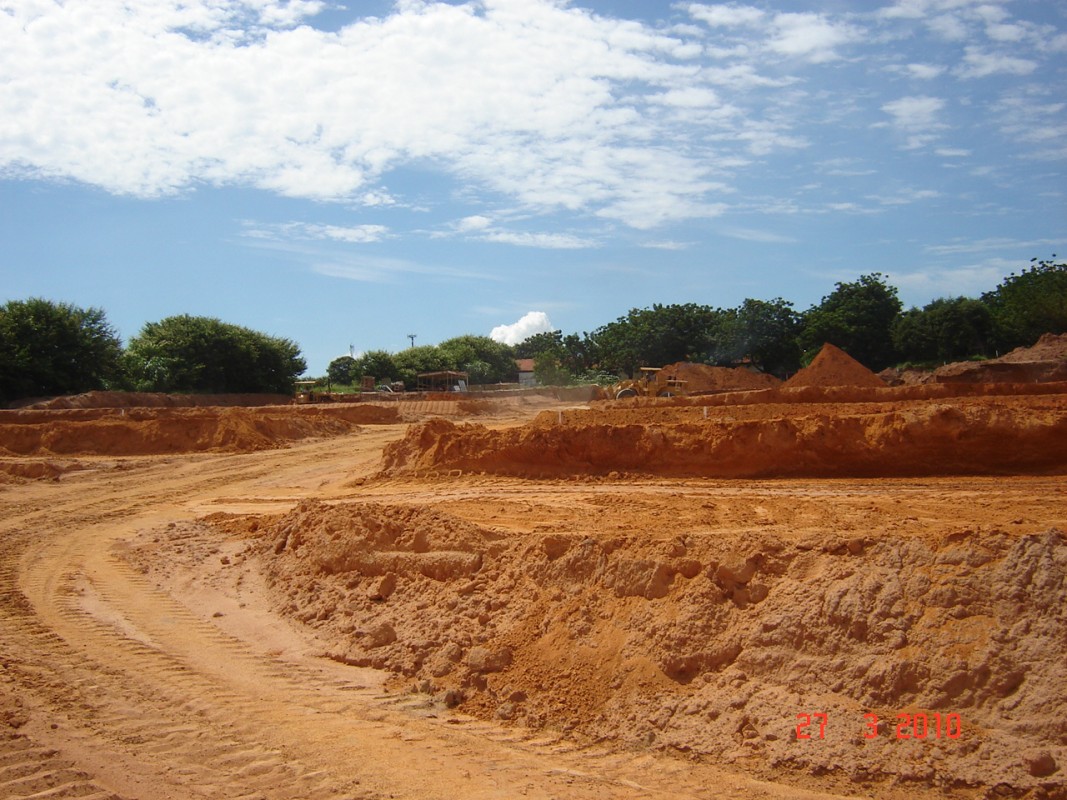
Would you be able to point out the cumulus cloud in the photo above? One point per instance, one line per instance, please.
(979, 63)
(726, 16)
(521, 98)
(541, 107)
(915, 113)
(531, 323)
(810, 36)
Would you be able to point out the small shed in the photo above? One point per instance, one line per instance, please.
(526, 372)
(443, 381)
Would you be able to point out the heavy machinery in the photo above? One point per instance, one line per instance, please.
(650, 383)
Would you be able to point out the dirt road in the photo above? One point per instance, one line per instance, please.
(176, 680)
(125, 691)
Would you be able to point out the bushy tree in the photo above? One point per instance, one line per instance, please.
(424, 358)
(546, 342)
(49, 348)
(656, 336)
(486, 360)
(1029, 304)
(379, 364)
(763, 332)
(203, 354)
(858, 317)
(947, 329)
(342, 370)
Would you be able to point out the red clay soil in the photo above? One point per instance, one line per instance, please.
(834, 367)
(962, 436)
(654, 622)
(1044, 362)
(145, 431)
(158, 400)
(704, 378)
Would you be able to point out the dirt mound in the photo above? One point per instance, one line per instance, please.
(157, 400)
(834, 367)
(708, 642)
(975, 435)
(154, 431)
(1050, 347)
(704, 378)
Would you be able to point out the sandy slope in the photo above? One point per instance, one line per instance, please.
(163, 618)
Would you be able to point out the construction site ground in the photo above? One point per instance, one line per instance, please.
(535, 598)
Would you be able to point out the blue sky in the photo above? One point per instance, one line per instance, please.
(351, 174)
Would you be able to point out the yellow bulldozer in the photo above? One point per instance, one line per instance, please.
(650, 383)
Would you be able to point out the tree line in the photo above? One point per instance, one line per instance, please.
(864, 317)
(51, 348)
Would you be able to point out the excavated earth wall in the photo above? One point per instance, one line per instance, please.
(145, 431)
(980, 434)
(710, 640)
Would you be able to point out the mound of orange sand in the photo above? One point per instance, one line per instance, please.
(834, 367)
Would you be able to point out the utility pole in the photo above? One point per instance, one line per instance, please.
(412, 337)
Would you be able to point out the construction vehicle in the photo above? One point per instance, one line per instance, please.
(650, 383)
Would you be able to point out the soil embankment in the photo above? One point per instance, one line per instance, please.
(151, 431)
(965, 436)
(647, 620)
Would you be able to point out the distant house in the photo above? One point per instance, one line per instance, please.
(526, 372)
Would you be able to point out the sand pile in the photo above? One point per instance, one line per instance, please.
(707, 641)
(834, 367)
(1045, 362)
(153, 431)
(158, 400)
(704, 378)
(1050, 347)
(973, 435)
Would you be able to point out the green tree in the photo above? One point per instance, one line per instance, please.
(204, 354)
(858, 317)
(342, 370)
(549, 370)
(656, 336)
(533, 346)
(424, 358)
(379, 364)
(947, 329)
(486, 360)
(51, 348)
(1029, 304)
(763, 332)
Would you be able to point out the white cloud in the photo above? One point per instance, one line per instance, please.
(476, 222)
(904, 197)
(922, 72)
(725, 16)
(351, 234)
(551, 241)
(809, 36)
(531, 323)
(754, 235)
(667, 244)
(915, 113)
(519, 98)
(978, 63)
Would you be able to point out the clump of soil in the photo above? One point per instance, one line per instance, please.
(834, 367)
(703, 378)
(709, 642)
(1050, 347)
(158, 400)
(967, 435)
(145, 431)
(1044, 362)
